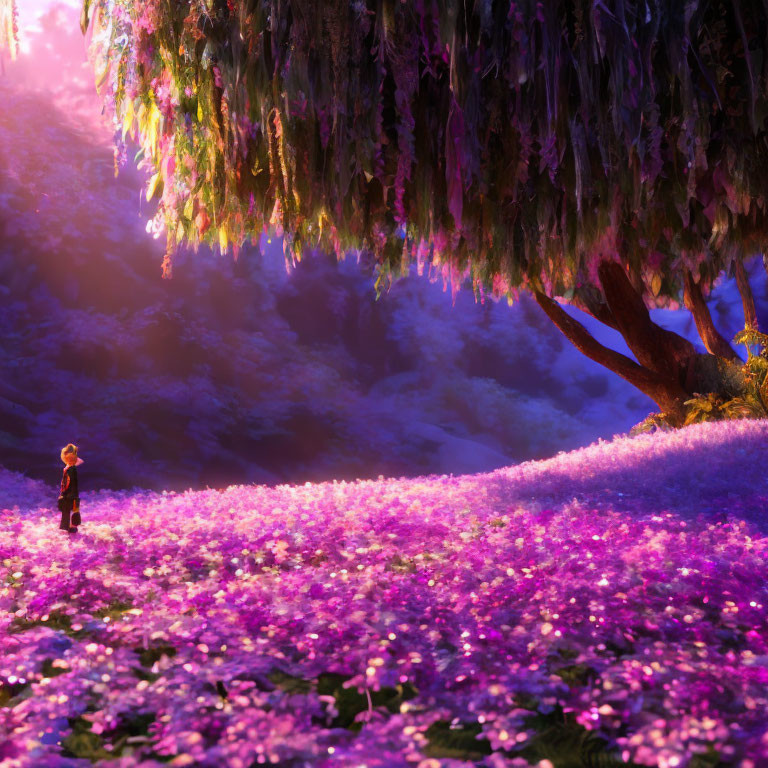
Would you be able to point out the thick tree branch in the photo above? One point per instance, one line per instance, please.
(747, 299)
(588, 300)
(656, 348)
(666, 392)
(695, 302)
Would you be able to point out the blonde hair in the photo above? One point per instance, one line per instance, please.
(70, 449)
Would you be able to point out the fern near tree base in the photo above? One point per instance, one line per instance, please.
(664, 391)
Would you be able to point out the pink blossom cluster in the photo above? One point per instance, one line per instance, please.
(481, 593)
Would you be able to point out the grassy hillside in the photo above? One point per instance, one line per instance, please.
(604, 606)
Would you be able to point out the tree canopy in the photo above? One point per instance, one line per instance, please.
(517, 143)
(609, 152)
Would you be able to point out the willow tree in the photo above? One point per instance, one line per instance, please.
(608, 153)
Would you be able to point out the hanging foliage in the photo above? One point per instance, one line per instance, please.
(9, 28)
(518, 144)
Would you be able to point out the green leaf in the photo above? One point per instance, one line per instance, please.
(48, 670)
(577, 675)
(83, 743)
(148, 656)
(289, 683)
(569, 745)
(461, 741)
(84, 16)
(155, 186)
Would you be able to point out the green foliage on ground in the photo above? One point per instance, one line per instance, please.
(743, 396)
(84, 743)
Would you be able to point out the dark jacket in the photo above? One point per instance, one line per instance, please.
(69, 488)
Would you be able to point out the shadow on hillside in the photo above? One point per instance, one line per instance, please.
(684, 472)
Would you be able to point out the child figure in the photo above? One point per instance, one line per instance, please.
(69, 497)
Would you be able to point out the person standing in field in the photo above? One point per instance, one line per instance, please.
(69, 496)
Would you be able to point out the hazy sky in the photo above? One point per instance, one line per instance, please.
(53, 60)
(30, 10)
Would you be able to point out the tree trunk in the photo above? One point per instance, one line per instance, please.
(665, 391)
(669, 369)
(695, 302)
(655, 348)
(747, 299)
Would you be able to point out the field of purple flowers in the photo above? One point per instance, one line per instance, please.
(603, 607)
